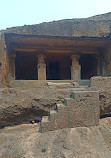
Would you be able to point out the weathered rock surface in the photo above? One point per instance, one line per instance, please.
(22, 105)
(96, 26)
(103, 85)
(105, 103)
(24, 141)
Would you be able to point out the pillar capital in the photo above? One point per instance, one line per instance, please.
(41, 58)
(75, 56)
(75, 59)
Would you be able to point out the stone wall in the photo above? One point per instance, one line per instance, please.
(4, 62)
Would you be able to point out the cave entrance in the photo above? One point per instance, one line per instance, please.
(54, 71)
(88, 66)
(26, 66)
(58, 67)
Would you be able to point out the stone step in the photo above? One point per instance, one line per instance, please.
(44, 123)
(53, 114)
(84, 82)
(57, 83)
(45, 119)
(48, 123)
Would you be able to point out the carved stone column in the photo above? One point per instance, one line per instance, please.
(12, 65)
(75, 68)
(41, 67)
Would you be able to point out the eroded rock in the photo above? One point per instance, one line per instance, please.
(105, 103)
(80, 142)
(19, 106)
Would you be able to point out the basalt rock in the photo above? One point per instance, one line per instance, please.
(24, 141)
(19, 106)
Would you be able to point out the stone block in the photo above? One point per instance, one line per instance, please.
(81, 110)
(49, 83)
(85, 96)
(57, 121)
(101, 83)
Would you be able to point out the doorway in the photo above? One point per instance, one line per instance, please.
(58, 66)
(54, 71)
(26, 66)
(88, 64)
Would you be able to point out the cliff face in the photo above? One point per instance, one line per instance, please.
(96, 26)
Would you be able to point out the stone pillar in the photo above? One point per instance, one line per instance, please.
(41, 67)
(75, 68)
(12, 65)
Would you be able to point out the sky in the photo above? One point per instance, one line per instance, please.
(27, 12)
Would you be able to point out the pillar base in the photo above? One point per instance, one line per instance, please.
(42, 72)
(75, 68)
(41, 67)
